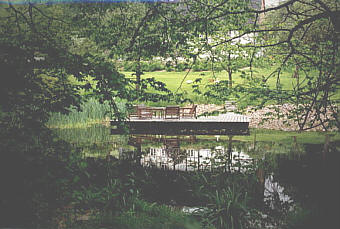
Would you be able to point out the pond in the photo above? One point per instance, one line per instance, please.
(281, 177)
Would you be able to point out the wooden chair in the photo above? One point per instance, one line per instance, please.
(134, 112)
(145, 113)
(188, 112)
(140, 112)
(172, 112)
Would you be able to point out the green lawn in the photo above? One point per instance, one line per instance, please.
(173, 80)
(305, 137)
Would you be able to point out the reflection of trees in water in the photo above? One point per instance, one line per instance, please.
(93, 141)
(285, 171)
(274, 194)
(180, 153)
(286, 174)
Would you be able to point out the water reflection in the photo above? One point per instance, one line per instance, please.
(185, 154)
(274, 194)
(287, 173)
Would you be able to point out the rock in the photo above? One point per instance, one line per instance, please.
(270, 117)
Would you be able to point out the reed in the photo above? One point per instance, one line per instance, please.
(91, 112)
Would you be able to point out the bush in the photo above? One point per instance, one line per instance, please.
(146, 66)
(130, 66)
(153, 66)
(201, 65)
(180, 67)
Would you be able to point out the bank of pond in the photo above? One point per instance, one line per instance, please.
(266, 179)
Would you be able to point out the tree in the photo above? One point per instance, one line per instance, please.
(127, 31)
(309, 40)
(219, 40)
(37, 57)
(304, 33)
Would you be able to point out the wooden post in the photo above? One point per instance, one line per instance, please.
(325, 148)
(261, 179)
(229, 151)
(254, 141)
(295, 145)
(239, 161)
(192, 138)
(198, 160)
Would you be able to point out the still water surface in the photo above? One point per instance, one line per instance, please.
(291, 174)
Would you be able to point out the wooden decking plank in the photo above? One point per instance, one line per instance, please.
(223, 124)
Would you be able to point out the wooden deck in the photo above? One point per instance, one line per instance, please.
(224, 124)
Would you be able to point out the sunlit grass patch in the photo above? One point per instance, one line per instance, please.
(305, 137)
(182, 82)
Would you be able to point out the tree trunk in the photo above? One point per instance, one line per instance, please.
(138, 74)
(230, 71)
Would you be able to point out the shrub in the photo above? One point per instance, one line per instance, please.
(153, 66)
(201, 65)
(130, 66)
(228, 209)
(181, 67)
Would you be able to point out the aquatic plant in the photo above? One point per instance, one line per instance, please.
(228, 208)
(91, 112)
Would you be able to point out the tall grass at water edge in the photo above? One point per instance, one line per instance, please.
(92, 112)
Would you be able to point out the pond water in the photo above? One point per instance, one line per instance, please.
(287, 174)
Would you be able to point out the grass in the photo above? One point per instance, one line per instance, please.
(265, 135)
(173, 79)
(306, 137)
(92, 112)
(141, 215)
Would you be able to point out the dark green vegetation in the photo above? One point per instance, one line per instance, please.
(302, 170)
(62, 58)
